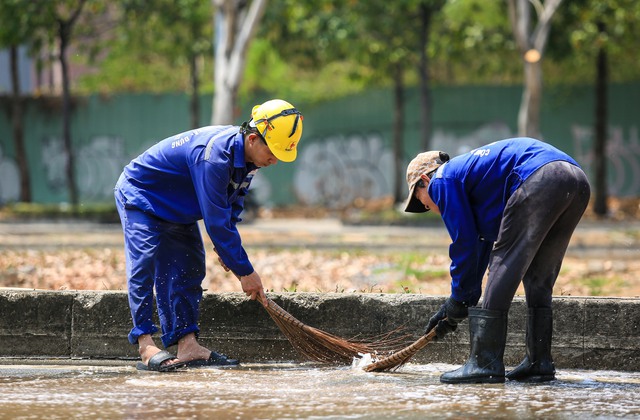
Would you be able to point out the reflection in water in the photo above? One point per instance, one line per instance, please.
(284, 391)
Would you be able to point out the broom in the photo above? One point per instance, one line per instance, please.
(321, 346)
(318, 345)
(399, 358)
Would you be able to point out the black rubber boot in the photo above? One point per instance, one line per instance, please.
(537, 365)
(488, 336)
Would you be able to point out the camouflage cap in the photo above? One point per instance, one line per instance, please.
(424, 163)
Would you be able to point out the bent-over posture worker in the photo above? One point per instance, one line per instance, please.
(162, 194)
(511, 206)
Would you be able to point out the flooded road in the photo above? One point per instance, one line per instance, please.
(302, 391)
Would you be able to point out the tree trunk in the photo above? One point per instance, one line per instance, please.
(398, 129)
(529, 114)
(531, 44)
(423, 74)
(194, 101)
(235, 28)
(65, 34)
(65, 28)
(17, 123)
(225, 93)
(600, 131)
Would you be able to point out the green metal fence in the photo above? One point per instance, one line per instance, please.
(345, 152)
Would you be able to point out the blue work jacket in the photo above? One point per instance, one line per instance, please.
(198, 174)
(471, 191)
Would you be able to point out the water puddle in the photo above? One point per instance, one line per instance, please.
(287, 391)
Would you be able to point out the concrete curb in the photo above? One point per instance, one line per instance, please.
(589, 333)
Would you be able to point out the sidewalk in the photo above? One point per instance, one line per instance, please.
(613, 236)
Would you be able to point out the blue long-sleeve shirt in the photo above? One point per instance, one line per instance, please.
(471, 191)
(198, 174)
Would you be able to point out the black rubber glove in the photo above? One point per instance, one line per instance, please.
(453, 311)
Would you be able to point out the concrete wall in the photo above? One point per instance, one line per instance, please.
(589, 333)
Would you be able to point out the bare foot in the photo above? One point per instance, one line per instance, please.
(189, 349)
(148, 349)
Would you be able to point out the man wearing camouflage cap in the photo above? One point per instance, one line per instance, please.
(510, 206)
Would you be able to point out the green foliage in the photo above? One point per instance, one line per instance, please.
(322, 49)
(173, 28)
(576, 40)
(268, 71)
(371, 36)
(292, 288)
(305, 33)
(597, 285)
(472, 43)
(16, 18)
(137, 69)
(26, 22)
(411, 263)
(152, 47)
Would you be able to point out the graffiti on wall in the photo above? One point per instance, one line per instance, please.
(456, 145)
(98, 166)
(335, 171)
(332, 172)
(9, 179)
(623, 157)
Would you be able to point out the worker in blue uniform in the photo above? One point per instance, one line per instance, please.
(202, 174)
(510, 206)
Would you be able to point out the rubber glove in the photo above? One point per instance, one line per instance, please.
(447, 318)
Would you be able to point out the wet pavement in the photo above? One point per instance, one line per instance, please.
(303, 391)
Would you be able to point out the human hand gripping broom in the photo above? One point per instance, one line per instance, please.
(443, 322)
(315, 344)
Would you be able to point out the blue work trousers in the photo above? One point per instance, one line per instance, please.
(170, 257)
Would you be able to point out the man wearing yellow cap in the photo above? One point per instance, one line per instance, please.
(202, 174)
(510, 206)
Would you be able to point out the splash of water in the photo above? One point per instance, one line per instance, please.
(363, 360)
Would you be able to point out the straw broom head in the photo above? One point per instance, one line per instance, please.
(321, 346)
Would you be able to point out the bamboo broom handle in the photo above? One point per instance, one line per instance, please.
(415, 347)
(401, 356)
(276, 310)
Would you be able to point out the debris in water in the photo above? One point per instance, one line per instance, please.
(363, 360)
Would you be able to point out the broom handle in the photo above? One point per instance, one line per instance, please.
(275, 309)
(415, 347)
(401, 356)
